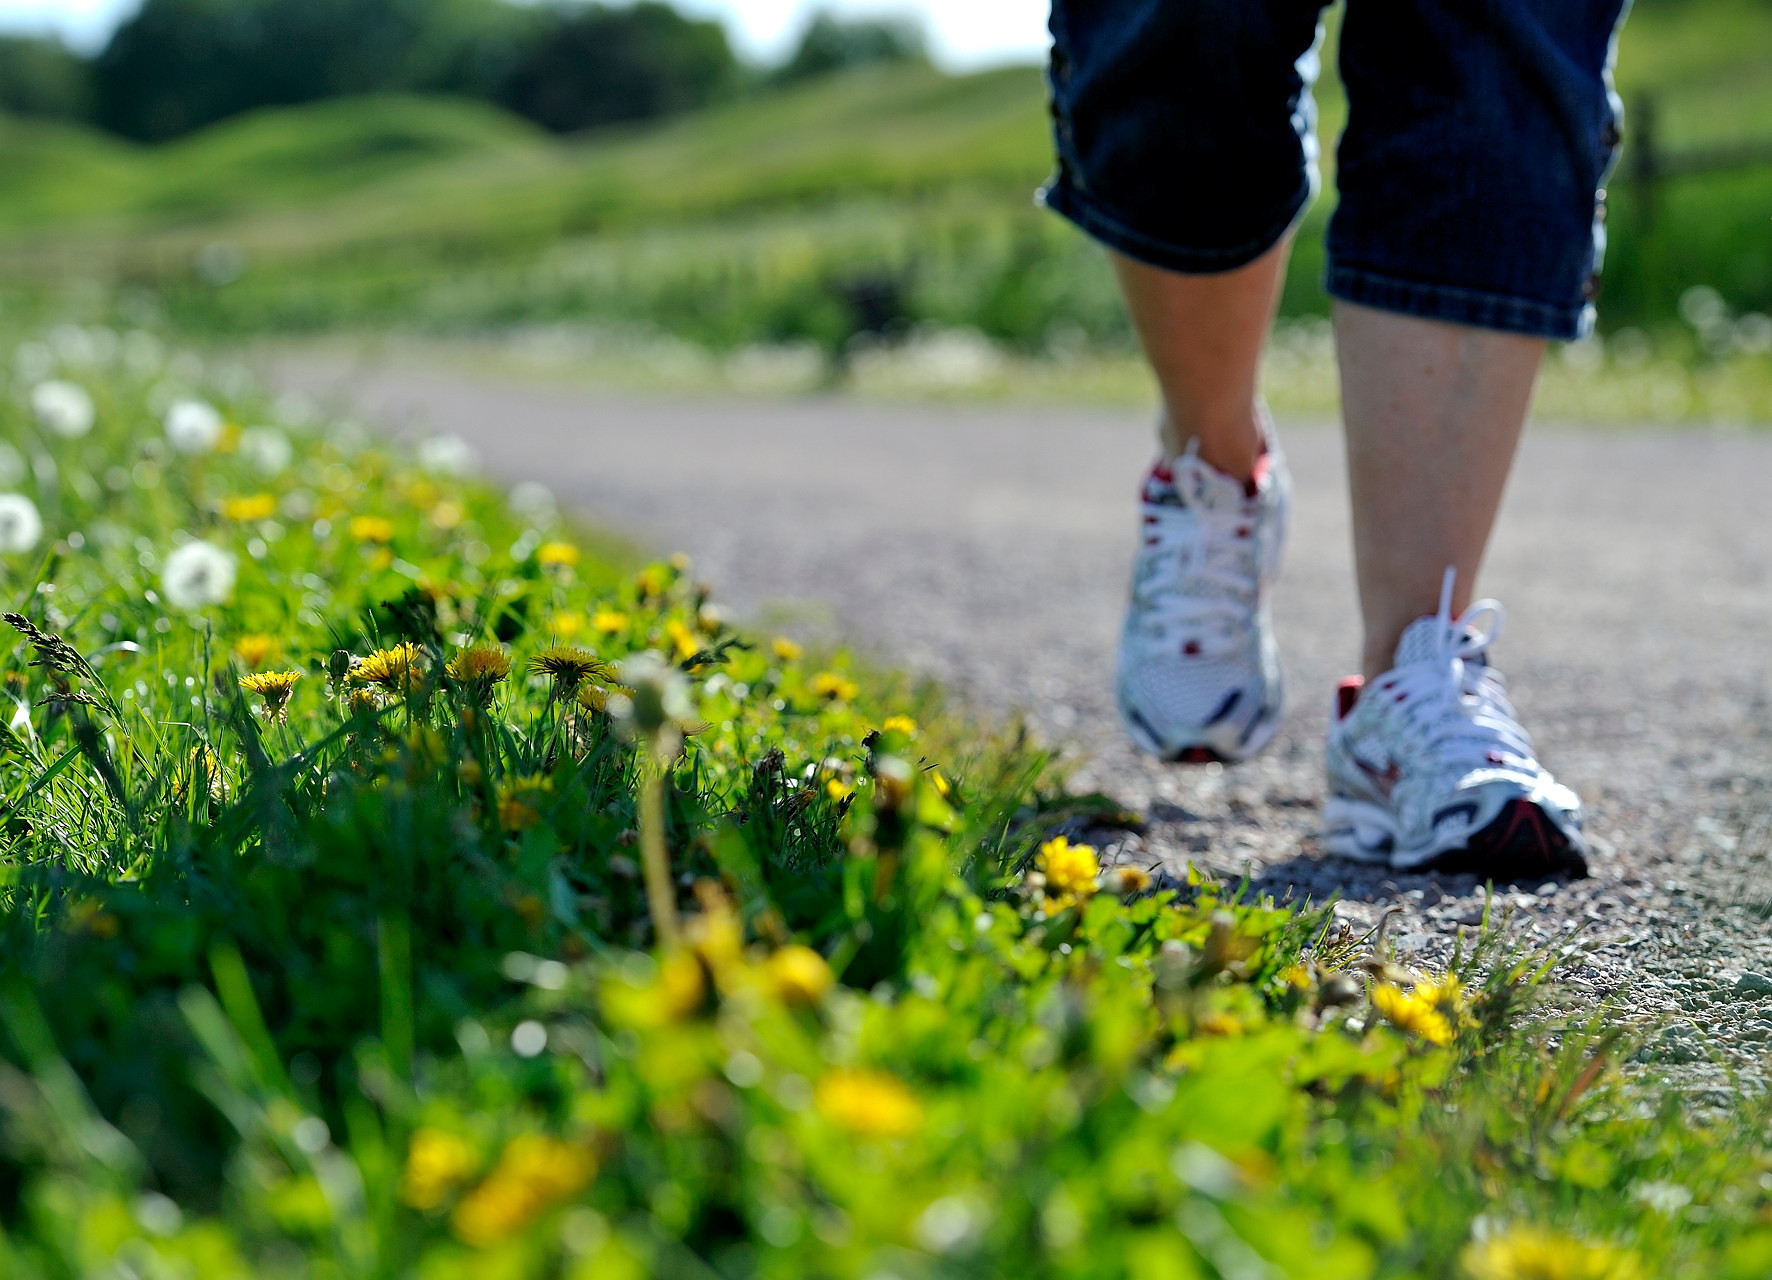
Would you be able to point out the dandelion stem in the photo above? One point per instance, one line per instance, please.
(655, 858)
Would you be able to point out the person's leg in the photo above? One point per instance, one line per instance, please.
(1203, 335)
(1465, 238)
(1433, 413)
(1183, 134)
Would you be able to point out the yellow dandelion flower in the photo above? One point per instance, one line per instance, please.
(833, 685)
(651, 583)
(436, 1164)
(904, 726)
(257, 506)
(681, 986)
(372, 529)
(869, 1104)
(478, 669)
(592, 698)
(200, 766)
(556, 555)
(518, 799)
(569, 667)
(798, 975)
(610, 621)
(1413, 1013)
(1296, 976)
(447, 515)
(532, 1174)
(481, 662)
(683, 641)
(566, 625)
(275, 687)
(1070, 871)
(786, 649)
(398, 670)
(366, 700)
(1530, 1253)
(256, 650)
(837, 789)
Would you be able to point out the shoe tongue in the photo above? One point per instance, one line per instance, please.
(1422, 641)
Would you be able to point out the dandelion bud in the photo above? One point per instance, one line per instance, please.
(338, 666)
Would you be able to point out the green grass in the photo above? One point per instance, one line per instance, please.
(434, 975)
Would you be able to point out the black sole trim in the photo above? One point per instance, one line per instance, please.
(1522, 843)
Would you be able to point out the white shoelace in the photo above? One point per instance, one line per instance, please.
(1455, 708)
(1199, 574)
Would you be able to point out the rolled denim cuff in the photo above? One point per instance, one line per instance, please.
(1461, 306)
(1062, 197)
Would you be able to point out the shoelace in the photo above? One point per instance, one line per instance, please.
(1199, 576)
(1455, 708)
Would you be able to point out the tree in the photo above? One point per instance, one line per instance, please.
(180, 64)
(596, 65)
(42, 78)
(835, 44)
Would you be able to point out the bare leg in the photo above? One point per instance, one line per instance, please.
(1203, 335)
(1433, 413)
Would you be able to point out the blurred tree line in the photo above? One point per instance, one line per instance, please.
(178, 65)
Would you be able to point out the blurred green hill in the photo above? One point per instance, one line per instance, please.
(873, 198)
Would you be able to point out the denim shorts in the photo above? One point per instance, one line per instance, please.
(1470, 174)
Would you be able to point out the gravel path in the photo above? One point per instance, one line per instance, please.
(990, 546)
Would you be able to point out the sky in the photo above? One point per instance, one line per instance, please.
(964, 35)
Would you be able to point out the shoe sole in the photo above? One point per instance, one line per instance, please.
(1261, 735)
(1523, 842)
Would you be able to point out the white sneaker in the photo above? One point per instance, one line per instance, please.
(1199, 673)
(1428, 767)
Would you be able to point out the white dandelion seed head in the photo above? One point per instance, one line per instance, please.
(63, 408)
(193, 426)
(446, 456)
(266, 450)
(21, 528)
(197, 574)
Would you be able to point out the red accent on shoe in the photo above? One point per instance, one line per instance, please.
(1191, 648)
(1262, 465)
(1346, 694)
(1199, 755)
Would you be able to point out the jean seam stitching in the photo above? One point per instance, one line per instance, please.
(1549, 319)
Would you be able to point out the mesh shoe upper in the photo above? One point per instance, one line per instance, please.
(1199, 673)
(1431, 763)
